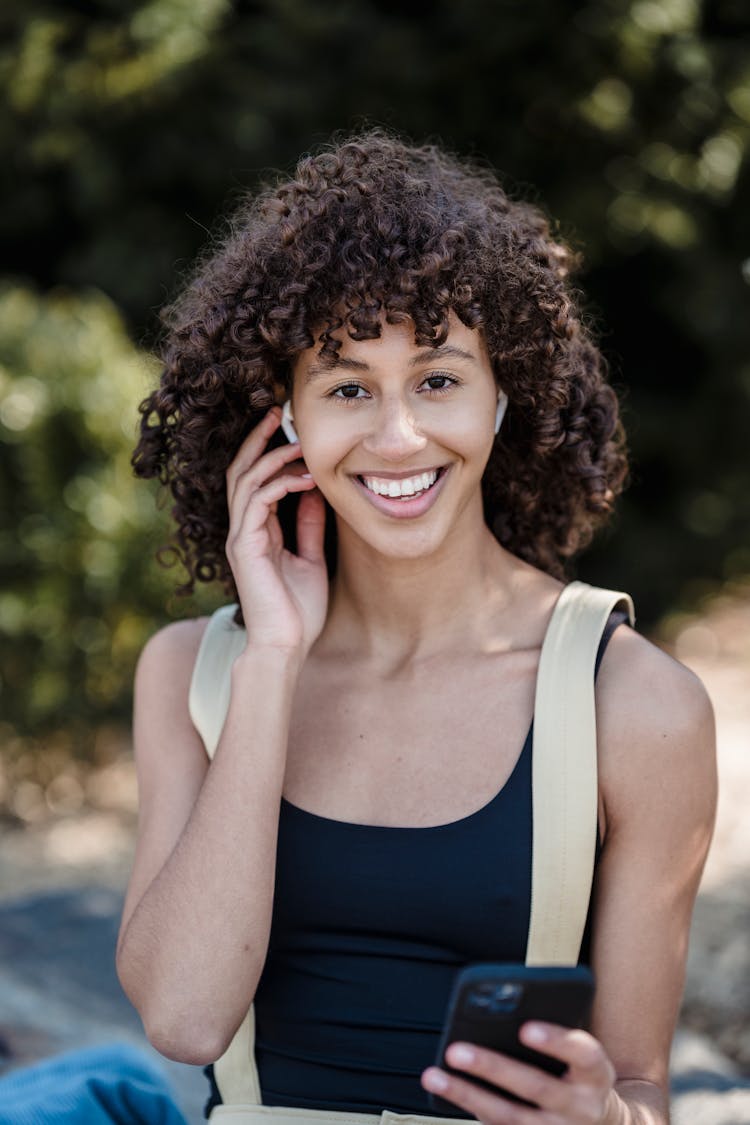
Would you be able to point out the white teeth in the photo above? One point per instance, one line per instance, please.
(411, 486)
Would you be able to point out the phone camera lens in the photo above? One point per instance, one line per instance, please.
(494, 996)
(480, 998)
(505, 997)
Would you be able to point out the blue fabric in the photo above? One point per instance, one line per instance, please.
(111, 1085)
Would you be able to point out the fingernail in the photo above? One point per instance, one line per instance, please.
(306, 476)
(460, 1054)
(533, 1033)
(435, 1080)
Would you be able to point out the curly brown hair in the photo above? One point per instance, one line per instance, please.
(370, 227)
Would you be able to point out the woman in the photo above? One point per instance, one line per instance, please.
(363, 828)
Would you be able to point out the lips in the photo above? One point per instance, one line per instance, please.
(380, 490)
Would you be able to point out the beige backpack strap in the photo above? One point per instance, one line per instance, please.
(564, 773)
(235, 1072)
(208, 701)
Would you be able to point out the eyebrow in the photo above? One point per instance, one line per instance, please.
(320, 367)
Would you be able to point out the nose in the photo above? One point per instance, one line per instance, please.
(395, 434)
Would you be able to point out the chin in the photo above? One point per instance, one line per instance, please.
(410, 544)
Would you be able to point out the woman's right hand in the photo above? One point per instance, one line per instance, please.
(284, 597)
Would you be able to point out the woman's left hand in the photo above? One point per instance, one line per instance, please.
(579, 1097)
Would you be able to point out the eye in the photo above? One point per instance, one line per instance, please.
(440, 382)
(348, 391)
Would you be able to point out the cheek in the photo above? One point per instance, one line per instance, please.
(473, 438)
(321, 453)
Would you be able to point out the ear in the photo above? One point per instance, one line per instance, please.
(286, 422)
(502, 405)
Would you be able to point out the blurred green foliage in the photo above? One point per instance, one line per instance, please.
(126, 127)
(79, 593)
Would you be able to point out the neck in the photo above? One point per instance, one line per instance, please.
(392, 610)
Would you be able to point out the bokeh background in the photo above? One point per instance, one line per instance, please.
(127, 130)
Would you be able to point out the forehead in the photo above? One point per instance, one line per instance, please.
(395, 345)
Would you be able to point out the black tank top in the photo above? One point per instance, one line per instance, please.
(370, 925)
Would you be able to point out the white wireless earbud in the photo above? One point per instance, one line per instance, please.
(502, 404)
(286, 422)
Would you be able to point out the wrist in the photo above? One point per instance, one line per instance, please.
(635, 1101)
(259, 660)
(615, 1112)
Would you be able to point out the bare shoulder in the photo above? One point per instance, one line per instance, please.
(656, 729)
(161, 712)
(173, 648)
(647, 690)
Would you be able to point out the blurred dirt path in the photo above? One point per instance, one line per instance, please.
(716, 645)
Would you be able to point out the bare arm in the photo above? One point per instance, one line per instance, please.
(658, 783)
(197, 915)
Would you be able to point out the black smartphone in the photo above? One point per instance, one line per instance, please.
(490, 1003)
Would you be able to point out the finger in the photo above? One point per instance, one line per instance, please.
(522, 1079)
(311, 526)
(253, 445)
(264, 499)
(258, 472)
(479, 1103)
(582, 1052)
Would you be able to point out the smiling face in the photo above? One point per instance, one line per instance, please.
(397, 436)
